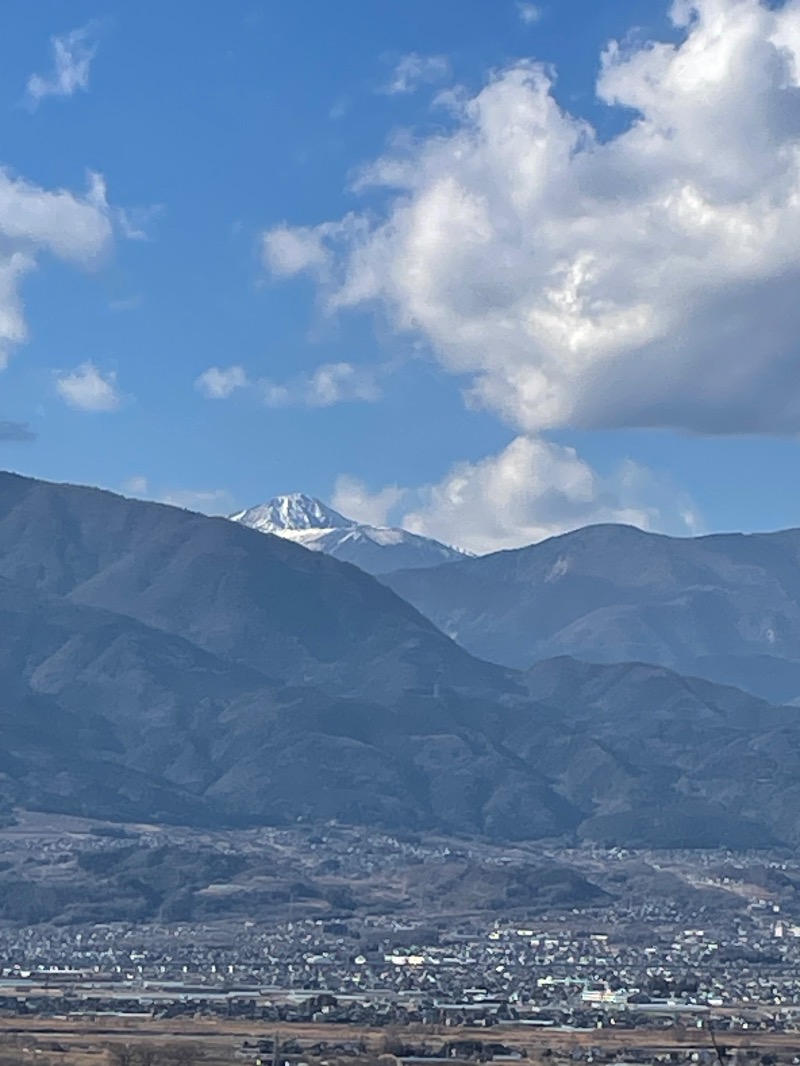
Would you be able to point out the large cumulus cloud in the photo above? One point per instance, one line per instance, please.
(647, 280)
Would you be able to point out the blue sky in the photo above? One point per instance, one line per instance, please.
(386, 343)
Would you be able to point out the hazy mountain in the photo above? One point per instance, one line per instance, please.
(160, 665)
(376, 549)
(723, 607)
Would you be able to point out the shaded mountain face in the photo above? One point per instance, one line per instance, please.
(157, 665)
(662, 760)
(199, 670)
(103, 716)
(726, 608)
(263, 602)
(376, 549)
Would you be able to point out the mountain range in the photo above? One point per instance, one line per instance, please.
(376, 549)
(723, 607)
(159, 665)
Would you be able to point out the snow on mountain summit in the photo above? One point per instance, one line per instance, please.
(312, 523)
(292, 512)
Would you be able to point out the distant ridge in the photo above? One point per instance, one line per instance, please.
(725, 607)
(376, 549)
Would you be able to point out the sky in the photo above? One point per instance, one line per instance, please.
(490, 270)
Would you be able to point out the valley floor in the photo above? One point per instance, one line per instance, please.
(346, 943)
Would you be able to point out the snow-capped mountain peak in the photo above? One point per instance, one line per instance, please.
(293, 512)
(376, 549)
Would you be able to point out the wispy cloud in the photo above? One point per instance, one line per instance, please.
(329, 384)
(529, 13)
(138, 223)
(73, 53)
(87, 389)
(218, 383)
(415, 70)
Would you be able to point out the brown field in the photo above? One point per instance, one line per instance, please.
(181, 1042)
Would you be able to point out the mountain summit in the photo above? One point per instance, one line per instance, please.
(293, 513)
(376, 549)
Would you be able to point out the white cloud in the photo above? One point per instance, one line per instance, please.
(87, 389)
(415, 70)
(646, 280)
(329, 384)
(218, 383)
(139, 223)
(287, 251)
(531, 490)
(71, 227)
(529, 13)
(352, 499)
(13, 330)
(206, 501)
(132, 223)
(78, 229)
(72, 57)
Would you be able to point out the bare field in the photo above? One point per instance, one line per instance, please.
(216, 1041)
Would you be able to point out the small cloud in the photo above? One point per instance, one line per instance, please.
(73, 53)
(16, 432)
(415, 70)
(529, 13)
(329, 384)
(326, 386)
(218, 383)
(87, 389)
(287, 251)
(290, 250)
